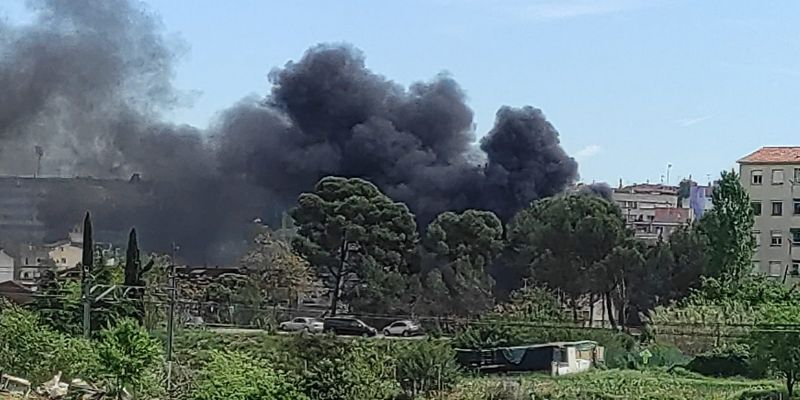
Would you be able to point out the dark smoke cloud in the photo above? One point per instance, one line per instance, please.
(89, 79)
(328, 114)
(600, 189)
(86, 81)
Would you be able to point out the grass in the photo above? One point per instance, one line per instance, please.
(609, 384)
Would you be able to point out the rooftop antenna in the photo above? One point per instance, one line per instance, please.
(39, 153)
(669, 166)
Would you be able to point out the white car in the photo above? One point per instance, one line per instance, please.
(402, 328)
(306, 324)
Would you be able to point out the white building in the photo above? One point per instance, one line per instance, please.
(771, 177)
(6, 266)
(651, 210)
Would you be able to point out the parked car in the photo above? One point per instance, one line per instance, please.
(310, 325)
(402, 328)
(348, 326)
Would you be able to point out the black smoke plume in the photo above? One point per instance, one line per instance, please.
(328, 114)
(89, 79)
(600, 189)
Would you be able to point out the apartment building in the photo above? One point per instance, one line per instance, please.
(651, 211)
(6, 266)
(22, 197)
(771, 176)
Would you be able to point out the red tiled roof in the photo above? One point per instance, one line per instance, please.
(674, 215)
(773, 155)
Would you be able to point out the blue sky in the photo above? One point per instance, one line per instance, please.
(630, 85)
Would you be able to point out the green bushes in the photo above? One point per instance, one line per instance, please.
(237, 376)
(426, 366)
(128, 358)
(344, 370)
(34, 351)
(725, 361)
(124, 356)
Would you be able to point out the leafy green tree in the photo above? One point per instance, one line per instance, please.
(728, 227)
(623, 277)
(776, 346)
(561, 242)
(348, 231)
(277, 268)
(532, 303)
(462, 247)
(690, 253)
(127, 355)
(237, 376)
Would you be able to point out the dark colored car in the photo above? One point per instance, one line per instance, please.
(348, 326)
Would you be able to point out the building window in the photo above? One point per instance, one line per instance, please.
(63, 260)
(796, 206)
(796, 176)
(26, 275)
(756, 266)
(757, 237)
(777, 177)
(756, 207)
(755, 177)
(777, 208)
(775, 239)
(795, 236)
(795, 268)
(775, 268)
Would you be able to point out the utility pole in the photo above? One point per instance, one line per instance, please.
(171, 316)
(669, 166)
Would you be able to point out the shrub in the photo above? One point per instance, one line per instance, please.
(426, 366)
(334, 369)
(763, 395)
(237, 376)
(507, 391)
(725, 361)
(128, 356)
(36, 352)
(663, 355)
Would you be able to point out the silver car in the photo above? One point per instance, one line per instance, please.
(306, 324)
(402, 328)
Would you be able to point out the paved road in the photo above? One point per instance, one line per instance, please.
(247, 331)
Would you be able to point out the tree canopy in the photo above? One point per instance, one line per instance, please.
(728, 227)
(355, 236)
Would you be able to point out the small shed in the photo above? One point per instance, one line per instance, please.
(559, 358)
(16, 292)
